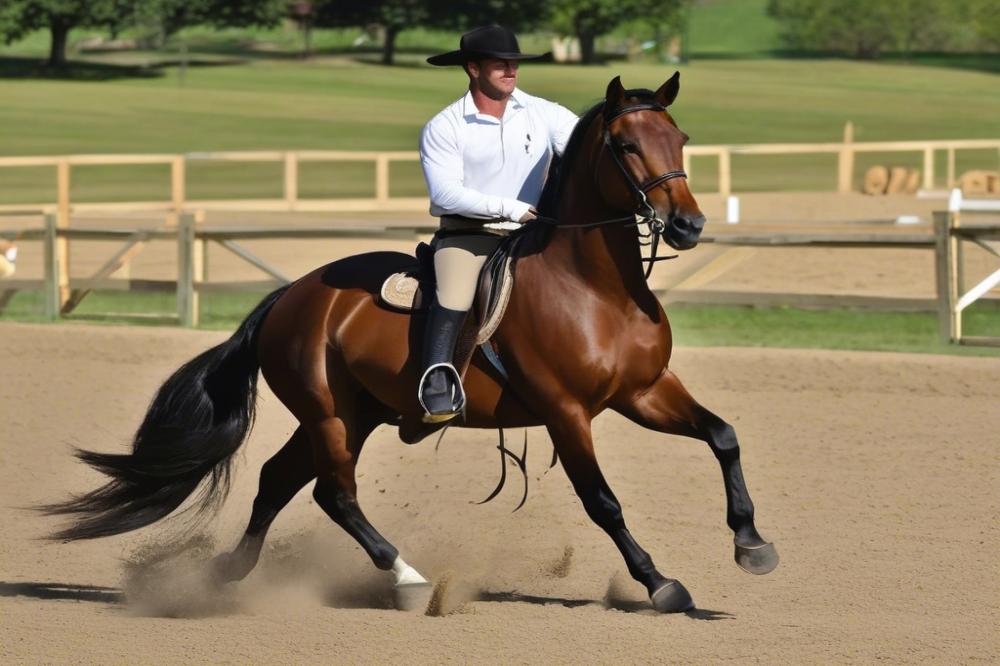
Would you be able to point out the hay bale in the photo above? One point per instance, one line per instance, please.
(975, 182)
(912, 181)
(897, 180)
(6, 267)
(994, 185)
(876, 179)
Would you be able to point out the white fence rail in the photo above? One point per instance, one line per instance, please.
(382, 200)
(62, 294)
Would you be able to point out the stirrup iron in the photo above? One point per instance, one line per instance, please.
(457, 394)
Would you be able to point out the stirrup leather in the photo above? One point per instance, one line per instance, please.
(457, 398)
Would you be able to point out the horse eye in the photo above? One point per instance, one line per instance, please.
(630, 148)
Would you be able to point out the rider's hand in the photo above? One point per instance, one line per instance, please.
(529, 215)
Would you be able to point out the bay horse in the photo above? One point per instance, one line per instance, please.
(582, 333)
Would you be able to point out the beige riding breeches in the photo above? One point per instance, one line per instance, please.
(457, 262)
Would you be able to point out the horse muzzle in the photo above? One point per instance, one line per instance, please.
(683, 231)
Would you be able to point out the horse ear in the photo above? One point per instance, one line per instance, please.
(667, 93)
(615, 95)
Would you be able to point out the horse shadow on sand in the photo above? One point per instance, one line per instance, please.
(363, 599)
(66, 591)
(623, 605)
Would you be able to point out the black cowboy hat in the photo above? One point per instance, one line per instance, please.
(489, 41)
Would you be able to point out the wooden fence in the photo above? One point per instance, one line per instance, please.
(952, 229)
(62, 295)
(846, 152)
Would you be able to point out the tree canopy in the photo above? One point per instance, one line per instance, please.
(19, 17)
(865, 29)
(589, 19)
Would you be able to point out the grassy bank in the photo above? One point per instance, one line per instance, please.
(693, 326)
(338, 102)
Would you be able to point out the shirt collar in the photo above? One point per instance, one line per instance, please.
(515, 103)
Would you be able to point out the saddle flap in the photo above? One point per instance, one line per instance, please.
(405, 291)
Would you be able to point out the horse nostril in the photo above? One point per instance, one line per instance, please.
(688, 225)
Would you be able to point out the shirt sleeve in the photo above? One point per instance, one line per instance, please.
(441, 159)
(561, 122)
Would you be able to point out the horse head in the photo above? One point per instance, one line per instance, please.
(644, 171)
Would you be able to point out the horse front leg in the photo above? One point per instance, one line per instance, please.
(667, 407)
(571, 437)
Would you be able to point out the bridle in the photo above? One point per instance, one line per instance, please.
(639, 191)
(655, 227)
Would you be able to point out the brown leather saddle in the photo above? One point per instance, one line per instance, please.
(411, 290)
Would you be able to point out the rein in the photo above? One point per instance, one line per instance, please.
(655, 227)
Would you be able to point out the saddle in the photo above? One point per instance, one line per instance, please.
(412, 290)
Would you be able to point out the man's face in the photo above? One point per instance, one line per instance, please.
(496, 78)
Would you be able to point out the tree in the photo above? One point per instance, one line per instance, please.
(589, 19)
(19, 17)
(984, 19)
(865, 29)
(393, 16)
(173, 15)
(859, 28)
(465, 14)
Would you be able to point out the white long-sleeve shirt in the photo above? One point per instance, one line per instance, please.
(480, 166)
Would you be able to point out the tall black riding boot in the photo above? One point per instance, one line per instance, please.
(440, 391)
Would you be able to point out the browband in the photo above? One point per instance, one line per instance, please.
(645, 106)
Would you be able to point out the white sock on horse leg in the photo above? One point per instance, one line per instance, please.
(405, 574)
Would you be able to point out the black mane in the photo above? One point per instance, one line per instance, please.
(548, 203)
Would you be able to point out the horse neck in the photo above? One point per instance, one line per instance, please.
(606, 257)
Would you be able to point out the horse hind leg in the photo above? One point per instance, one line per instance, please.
(337, 442)
(667, 407)
(281, 478)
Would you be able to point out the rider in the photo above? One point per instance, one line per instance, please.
(485, 158)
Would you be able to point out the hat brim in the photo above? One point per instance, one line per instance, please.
(460, 57)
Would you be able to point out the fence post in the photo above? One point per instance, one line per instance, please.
(187, 300)
(200, 252)
(928, 168)
(944, 266)
(382, 178)
(52, 267)
(62, 221)
(725, 173)
(291, 179)
(177, 184)
(955, 215)
(845, 161)
(951, 169)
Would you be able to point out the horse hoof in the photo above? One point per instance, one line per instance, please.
(220, 570)
(413, 597)
(672, 598)
(757, 560)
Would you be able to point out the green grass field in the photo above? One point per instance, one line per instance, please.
(693, 326)
(241, 98)
(247, 90)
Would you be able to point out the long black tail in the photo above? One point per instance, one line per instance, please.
(197, 421)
